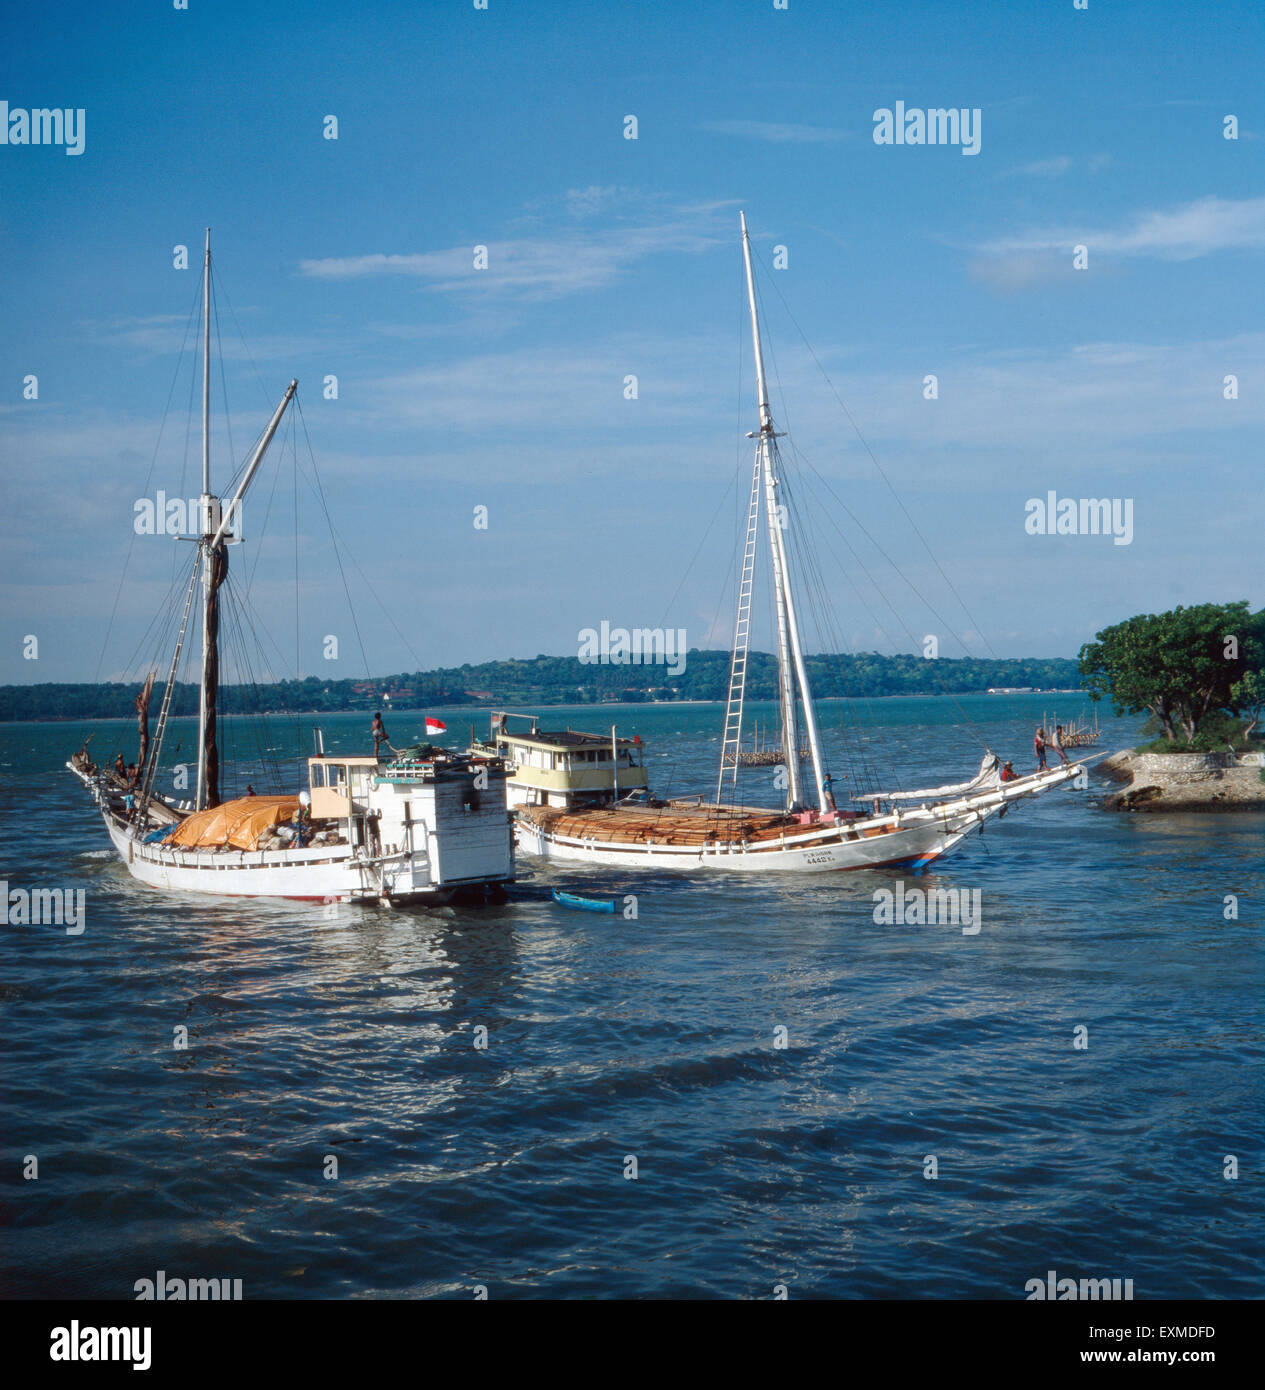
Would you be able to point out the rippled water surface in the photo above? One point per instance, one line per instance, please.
(351, 1032)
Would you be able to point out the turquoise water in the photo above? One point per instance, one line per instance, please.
(347, 1032)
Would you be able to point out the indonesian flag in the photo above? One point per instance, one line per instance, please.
(435, 726)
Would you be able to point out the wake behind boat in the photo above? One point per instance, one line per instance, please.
(566, 791)
(425, 826)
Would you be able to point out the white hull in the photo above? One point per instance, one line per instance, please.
(910, 839)
(319, 873)
(323, 874)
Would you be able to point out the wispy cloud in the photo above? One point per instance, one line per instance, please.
(1030, 406)
(1043, 168)
(1184, 233)
(586, 202)
(547, 265)
(780, 132)
(161, 334)
(1056, 166)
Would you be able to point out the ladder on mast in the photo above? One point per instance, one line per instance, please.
(732, 738)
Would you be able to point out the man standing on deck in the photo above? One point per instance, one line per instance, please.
(1057, 743)
(379, 732)
(1038, 747)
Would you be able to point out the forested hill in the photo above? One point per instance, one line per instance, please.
(552, 680)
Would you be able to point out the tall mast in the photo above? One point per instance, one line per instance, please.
(790, 652)
(212, 545)
(790, 731)
(208, 525)
(206, 366)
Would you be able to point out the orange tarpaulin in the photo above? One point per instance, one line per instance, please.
(238, 823)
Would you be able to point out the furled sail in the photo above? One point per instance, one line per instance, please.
(142, 722)
(987, 776)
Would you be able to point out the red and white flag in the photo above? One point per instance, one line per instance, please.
(435, 726)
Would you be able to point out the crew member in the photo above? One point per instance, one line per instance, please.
(1038, 747)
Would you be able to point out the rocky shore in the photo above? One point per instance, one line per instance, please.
(1183, 782)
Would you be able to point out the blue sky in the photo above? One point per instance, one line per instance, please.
(610, 257)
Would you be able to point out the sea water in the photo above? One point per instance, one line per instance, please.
(751, 1083)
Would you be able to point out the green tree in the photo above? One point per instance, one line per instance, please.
(1182, 665)
(1248, 696)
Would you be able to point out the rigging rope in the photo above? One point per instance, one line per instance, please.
(118, 593)
(882, 474)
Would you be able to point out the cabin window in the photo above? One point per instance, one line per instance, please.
(318, 774)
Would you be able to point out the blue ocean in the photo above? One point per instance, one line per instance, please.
(752, 1084)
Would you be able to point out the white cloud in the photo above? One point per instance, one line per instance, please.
(543, 266)
(163, 334)
(1044, 255)
(1056, 164)
(1184, 233)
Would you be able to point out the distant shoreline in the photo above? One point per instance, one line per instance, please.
(530, 683)
(511, 707)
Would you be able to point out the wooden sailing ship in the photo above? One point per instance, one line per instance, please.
(809, 832)
(422, 828)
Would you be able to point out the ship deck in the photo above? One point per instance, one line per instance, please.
(676, 825)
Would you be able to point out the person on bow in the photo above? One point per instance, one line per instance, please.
(1038, 747)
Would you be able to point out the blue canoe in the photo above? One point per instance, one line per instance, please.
(587, 904)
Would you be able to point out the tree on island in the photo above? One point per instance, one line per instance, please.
(1183, 666)
(1249, 696)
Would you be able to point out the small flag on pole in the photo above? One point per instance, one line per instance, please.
(435, 726)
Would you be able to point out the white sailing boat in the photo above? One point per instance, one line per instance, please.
(569, 820)
(420, 828)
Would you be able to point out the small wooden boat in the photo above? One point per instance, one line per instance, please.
(585, 904)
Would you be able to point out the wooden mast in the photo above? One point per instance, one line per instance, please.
(789, 655)
(213, 545)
